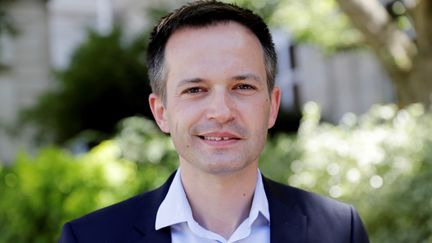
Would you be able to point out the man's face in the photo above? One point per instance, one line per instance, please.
(218, 107)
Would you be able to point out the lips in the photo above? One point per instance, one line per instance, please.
(213, 138)
(219, 137)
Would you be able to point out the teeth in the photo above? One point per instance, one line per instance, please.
(216, 138)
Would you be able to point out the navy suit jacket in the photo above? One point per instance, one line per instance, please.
(296, 216)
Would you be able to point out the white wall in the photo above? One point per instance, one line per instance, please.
(69, 21)
(29, 73)
(349, 81)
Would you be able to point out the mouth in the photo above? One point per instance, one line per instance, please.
(218, 138)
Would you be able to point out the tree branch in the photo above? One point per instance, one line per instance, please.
(391, 45)
(421, 13)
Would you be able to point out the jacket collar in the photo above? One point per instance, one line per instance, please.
(287, 222)
(146, 223)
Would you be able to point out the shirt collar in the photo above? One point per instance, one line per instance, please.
(175, 207)
(259, 201)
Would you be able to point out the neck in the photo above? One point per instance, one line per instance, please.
(219, 203)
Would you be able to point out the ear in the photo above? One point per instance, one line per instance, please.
(159, 112)
(274, 106)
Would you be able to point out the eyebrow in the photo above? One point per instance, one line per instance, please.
(190, 81)
(247, 76)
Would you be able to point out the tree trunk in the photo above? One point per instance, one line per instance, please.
(408, 62)
(415, 86)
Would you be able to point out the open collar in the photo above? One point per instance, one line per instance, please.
(288, 223)
(175, 209)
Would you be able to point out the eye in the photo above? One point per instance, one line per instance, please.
(193, 90)
(245, 87)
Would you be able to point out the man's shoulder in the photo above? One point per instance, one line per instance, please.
(117, 220)
(327, 219)
(308, 202)
(115, 211)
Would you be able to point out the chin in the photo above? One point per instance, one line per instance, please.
(225, 168)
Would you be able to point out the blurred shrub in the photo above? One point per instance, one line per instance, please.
(320, 22)
(381, 162)
(105, 82)
(39, 193)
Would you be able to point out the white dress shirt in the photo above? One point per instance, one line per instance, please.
(175, 212)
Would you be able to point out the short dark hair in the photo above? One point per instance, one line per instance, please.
(200, 14)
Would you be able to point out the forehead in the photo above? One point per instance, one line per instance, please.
(215, 49)
(216, 32)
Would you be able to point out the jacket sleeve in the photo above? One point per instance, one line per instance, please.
(358, 232)
(67, 235)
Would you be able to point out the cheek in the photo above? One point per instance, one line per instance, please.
(184, 115)
(256, 112)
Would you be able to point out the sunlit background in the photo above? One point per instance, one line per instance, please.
(76, 132)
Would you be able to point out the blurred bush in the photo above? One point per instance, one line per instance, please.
(40, 193)
(105, 82)
(379, 162)
(319, 22)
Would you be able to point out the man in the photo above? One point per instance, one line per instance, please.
(212, 68)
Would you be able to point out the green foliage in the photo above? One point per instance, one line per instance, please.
(39, 193)
(105, 82)
(381, 162)
(140, 141)
(319, 22)
(265, 8)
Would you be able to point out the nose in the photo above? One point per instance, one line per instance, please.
(220, 108)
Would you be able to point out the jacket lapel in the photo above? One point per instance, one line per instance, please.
(287, 222)
(146, 222)
(159, 236)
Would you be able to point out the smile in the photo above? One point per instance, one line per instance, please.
(215, 138)
(219, 137)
